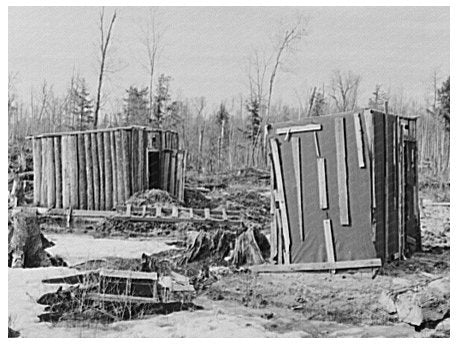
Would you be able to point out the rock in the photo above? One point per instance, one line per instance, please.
(387, 302)
(408, 309)
(444, 325)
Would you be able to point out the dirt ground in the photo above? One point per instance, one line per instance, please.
(243, 304)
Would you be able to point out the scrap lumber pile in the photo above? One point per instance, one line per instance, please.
(112, 295)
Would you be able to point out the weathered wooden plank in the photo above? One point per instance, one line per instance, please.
(58, 168)
(82, 177)
(101, 153)
(319, 266)
(273, 220)
(359, 140)
(89, 172)
(183, 177)
(280, 256)
(317, 145)
(281, 199)
(65, 173)
(342, 180)
(296, 150)
(51, 173)
(37, 171)
(108, 170)
(114, 169)
(298, 129)
(74, 180)
(322, 183)
(207, 213)
(95, 170)
(329, 242)
(174, 211)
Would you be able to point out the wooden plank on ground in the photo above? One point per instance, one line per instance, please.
(319, 266)
(298, 129)
(342, 179)
(296, 150)
(317, 145)
(281, 199)
(322, 183)
(359, 140)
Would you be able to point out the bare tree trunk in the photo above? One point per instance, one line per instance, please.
(104, 43)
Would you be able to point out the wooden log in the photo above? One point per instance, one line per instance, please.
(387, 186)
(125, 146)
(108, 171)
(295, 146)
(101, 157)
(89, 172)
(329, 242)
(342, 179)
(114, 170)
(74, 180)
(322, 184)
(141, 160)
(179, 173)
(82, 177)
(51, 173)
(119, 168)
(134, 165)
(173, 170)
(281, 199)
(183, 178)
(319, 266)
(359, 140)
(37, 171)
(58, 168)
(95, 170)
(44, 175)
(65, 173)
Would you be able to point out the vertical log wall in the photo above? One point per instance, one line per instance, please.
(99, 169)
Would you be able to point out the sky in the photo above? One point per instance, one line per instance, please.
(206, 49)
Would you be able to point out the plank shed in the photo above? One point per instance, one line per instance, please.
(100, 169)
(345, 189)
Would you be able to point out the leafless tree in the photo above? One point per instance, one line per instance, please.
(153, 43)
(344, 90)
(286, 41)
(105, 38)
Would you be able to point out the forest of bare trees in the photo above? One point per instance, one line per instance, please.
(228, 136)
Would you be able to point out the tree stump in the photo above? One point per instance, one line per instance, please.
(25, 246)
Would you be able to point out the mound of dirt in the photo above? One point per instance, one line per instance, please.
(152, 197)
